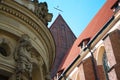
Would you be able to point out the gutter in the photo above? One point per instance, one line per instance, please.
(85, 50)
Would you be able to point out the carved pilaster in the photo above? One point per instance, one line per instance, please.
(23, 59)
(41, 68)
(41, 10)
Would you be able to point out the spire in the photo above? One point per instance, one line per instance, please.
(64, 38)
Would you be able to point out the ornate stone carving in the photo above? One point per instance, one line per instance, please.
(47, 16)
(41, 10)
(4, 47)
(21, 16)
(35, 1)
(23, 58)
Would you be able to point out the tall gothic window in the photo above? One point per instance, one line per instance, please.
(105, 65)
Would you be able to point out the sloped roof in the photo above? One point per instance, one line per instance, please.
(93, 27)
(64, 38)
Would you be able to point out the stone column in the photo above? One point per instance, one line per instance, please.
(41, 68)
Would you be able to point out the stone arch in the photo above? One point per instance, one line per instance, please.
(102, 63)
(100, 53)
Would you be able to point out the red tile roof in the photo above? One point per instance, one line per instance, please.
(93, 27)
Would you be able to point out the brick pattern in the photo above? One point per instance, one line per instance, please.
(101, 72)
(112, 75)
(64, 39)
(96, 24)
(88, 69)
(109, 52)
(112, 45)
(115, 41)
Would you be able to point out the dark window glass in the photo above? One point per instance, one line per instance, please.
(105, 65)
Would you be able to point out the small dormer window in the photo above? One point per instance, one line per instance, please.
(84, 43)
(116, 7)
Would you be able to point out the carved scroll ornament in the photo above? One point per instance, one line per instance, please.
(23, 58)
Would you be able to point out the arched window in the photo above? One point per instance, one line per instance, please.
(105, 65)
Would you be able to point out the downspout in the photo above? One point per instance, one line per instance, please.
(85, 50)
(94, 65)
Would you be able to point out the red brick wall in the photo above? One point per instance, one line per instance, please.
(112, 47)
(101, 72)
(109, 51)
(110, 57)
(88, 69)
(64, 39)
(115, 41)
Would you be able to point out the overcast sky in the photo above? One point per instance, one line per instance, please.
(76, 13)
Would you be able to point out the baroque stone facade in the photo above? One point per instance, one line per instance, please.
(27, 48)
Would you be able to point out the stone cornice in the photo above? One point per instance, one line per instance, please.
(20, 15)
(40, 10)
(33, 21)
(24, 15)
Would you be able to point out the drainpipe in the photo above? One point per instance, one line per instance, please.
(84, 52)
(94, 65)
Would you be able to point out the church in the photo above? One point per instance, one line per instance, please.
(95, 54)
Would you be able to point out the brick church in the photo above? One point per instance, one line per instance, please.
(95, 54)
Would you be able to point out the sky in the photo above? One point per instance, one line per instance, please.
(76, 13)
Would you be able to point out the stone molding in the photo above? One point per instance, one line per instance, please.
(20, 15)
(8, 7)
(33, 24)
